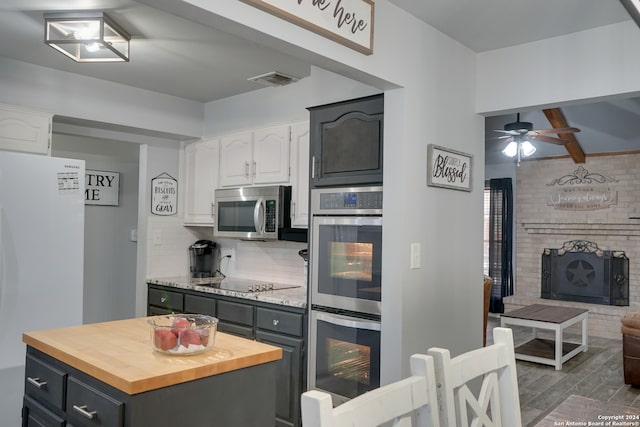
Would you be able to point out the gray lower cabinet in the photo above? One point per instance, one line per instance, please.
(274, 324)
(58, 395)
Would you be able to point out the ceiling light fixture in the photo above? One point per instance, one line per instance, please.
(87, 36)
(519, 147)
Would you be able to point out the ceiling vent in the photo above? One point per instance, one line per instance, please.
(274, 78)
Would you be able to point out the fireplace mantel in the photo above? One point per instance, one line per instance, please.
(596, 229)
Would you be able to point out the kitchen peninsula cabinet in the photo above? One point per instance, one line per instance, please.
(275, 324)
(106, 374)
(255, 158)
(201, 164)
(25, 130)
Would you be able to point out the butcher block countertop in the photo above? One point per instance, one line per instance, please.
(119, 353)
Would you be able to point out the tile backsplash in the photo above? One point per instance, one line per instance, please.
(273, 261)
(168, 242)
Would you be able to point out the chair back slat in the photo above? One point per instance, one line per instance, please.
(497, 403)
(406, 403)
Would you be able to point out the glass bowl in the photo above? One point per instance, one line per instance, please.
(182, 334)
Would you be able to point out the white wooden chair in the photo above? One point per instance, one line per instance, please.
(498, 402)
(408, 402)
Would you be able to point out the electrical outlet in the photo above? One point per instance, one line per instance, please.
(228, 253)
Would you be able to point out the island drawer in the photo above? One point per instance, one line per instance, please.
(280, 321)
(87, 406)
(44, 382)
(34, 414)
(168, 300)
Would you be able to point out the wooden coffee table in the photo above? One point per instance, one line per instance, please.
(554, 318)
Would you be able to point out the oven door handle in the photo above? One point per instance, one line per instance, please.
(348, 322)
(258, 216)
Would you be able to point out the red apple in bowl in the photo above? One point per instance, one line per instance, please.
(164, 339)
(180, 324)
(189, 337)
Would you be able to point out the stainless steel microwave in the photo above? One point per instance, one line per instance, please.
(255, 213)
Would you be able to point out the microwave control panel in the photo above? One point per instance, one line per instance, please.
(270, 216)
(366, 200)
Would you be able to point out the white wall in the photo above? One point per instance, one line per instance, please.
(110, 256)
(282, 104)
(74, 95)
(575, 68)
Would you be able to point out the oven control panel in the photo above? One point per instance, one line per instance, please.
(358, 200)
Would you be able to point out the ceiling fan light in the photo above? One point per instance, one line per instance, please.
(511, 150)
(527, 148)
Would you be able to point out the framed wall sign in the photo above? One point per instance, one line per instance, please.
(164, 195)
(102, 188)
(349, 22)
(448, 168)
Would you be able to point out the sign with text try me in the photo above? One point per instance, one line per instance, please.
(101, 188)
(349, 22)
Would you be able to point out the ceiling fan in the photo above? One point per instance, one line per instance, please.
(520, 134)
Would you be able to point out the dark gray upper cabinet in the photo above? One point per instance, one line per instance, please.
(347, 142)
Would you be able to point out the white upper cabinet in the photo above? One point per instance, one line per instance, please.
(300, 175)
(255, 158)
(25, 130)
(236, 160)
(201, 160)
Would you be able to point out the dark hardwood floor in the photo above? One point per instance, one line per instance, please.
(597, 374)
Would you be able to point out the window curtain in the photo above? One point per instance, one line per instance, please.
(500, 242)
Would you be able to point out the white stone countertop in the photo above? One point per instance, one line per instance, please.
(292, 297)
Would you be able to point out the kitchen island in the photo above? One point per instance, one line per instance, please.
(107, 374)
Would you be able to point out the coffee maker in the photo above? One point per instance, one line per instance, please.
(202, 256)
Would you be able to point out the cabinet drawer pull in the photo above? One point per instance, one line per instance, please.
(82, 410)
(36, 382)
(275, 322)
(163, 299)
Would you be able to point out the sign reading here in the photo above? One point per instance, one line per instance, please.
(101, 188)
(349, 22)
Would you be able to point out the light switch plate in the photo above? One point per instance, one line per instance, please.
(415, 256)
(157, 237)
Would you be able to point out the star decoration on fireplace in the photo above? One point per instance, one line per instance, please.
(580, 273)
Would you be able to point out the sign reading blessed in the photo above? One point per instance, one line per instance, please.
(349, 22)
(448, 168)
(101, 188)
(164, 195)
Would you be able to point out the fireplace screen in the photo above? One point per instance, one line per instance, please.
(582, 272)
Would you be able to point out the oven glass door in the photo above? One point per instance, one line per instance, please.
(345, 355)
(346, 263)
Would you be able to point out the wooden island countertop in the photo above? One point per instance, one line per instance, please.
(119, 353)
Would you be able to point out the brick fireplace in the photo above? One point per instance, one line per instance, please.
(559, 201)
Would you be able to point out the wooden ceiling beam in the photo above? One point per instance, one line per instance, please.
(557, 120)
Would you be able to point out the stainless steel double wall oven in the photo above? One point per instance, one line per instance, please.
(345, 290)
